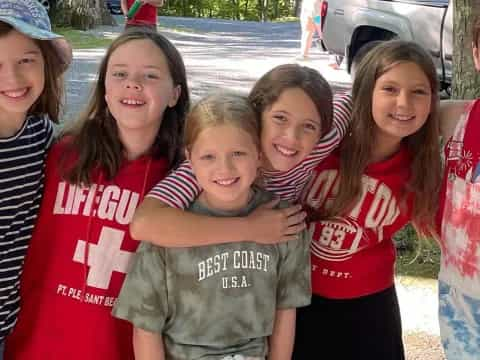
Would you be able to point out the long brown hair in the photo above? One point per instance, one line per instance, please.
(357, 147)
(96, 143)
(50, 100)
(271, 85)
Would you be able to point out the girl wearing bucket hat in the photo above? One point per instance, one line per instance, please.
(32, 60)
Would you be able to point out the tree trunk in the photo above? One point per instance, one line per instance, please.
(236, 9)
(296, 8)
(275, 9)
(262, 6)
(466, 81)
(107, 18)
(184, 8)
(81, 14)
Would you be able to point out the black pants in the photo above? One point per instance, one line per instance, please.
(366, 328)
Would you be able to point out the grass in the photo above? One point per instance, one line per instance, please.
(423, 262)
(181, 29)
(83, 40)
(418, 262)
(287, 19)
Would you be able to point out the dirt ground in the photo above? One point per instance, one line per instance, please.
(423, 346)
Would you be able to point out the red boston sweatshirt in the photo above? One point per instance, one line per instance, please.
(354, 255)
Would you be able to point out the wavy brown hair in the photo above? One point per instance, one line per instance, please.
(50, 100)
(271, 85)
(95, 141)
(357, 148)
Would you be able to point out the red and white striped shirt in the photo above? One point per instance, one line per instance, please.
(180, 187)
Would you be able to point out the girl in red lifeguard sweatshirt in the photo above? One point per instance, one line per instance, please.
(96, 176)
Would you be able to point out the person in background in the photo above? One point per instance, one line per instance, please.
(32, 61)
(310, 21)
(145, 16)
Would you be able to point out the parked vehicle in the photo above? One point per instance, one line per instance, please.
(114, 6)
(349, 24)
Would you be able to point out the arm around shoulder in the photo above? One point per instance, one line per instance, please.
(342, 113)
(157, 223)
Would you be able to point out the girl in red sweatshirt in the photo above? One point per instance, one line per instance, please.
(375, 184)
(96, 176)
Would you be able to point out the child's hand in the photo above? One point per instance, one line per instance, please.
(269, 226)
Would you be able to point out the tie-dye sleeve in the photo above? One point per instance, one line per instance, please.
(294, 284)
(143, 298)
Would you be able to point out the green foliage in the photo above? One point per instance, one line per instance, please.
(232, 9)
(416, 258)
(82, 40)
(287, 19)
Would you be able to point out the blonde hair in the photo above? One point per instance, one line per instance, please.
(221, 109)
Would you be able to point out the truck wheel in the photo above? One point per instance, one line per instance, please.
(448, 90)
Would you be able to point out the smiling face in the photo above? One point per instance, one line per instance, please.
(225, 160)
(138, 87)
(291, 128)
(22, 77)
(401, 102)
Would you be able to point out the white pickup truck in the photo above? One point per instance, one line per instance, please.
(349, 24)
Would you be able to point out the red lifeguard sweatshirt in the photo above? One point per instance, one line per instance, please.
(79, 254)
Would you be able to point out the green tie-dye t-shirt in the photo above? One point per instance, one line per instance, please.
(216, 300)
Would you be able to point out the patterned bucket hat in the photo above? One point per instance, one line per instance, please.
(31, 19)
